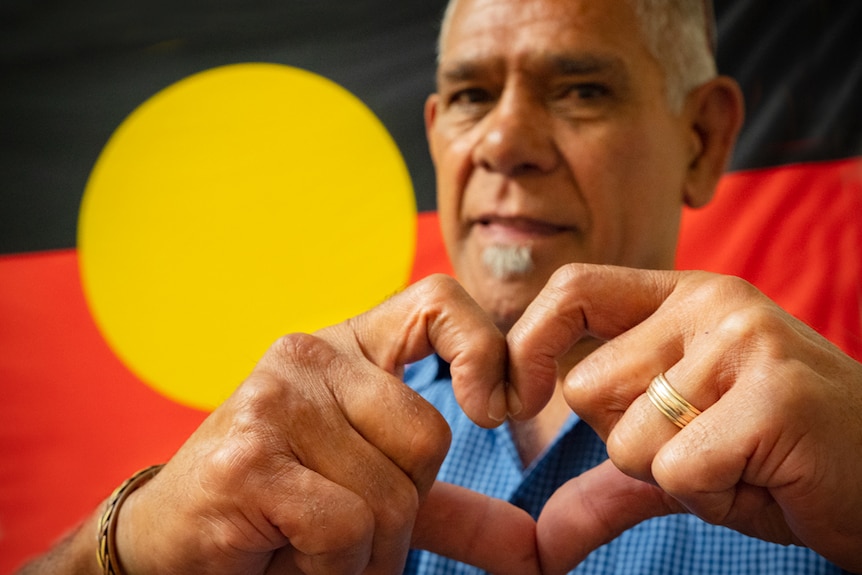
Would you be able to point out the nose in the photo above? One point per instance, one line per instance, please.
(516, 137)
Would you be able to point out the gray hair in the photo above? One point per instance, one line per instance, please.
(508, 261)
(680, 35)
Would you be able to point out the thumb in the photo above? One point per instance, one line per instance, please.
(591, 510)
(473, 528)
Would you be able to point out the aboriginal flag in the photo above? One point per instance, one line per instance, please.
(81, 82)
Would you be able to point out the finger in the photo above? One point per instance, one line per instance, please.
(436, 314)
(488, 533)
(730, 474)
(697, 319)
(591, 510)
(329, 527)
(763, 459)
(389, 460)
(584, 301)
(715, 355)
(344, 412)
(642, 430)
(709, 465)
(206, 524)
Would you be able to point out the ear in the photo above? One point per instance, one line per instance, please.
(431, 104)
(716, 111)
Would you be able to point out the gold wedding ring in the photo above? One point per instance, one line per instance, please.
(670, 402)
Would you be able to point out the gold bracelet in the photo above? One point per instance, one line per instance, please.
(106, 550)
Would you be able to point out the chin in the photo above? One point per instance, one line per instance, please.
(505, 300)
(504, 292)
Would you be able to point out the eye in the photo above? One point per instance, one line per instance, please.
(469, 104)
(586, 91)
(469, 97)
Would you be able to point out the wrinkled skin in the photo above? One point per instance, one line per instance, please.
(773, 454)
(584, 162)
(549, 128)
(321, 460)
(267, 485)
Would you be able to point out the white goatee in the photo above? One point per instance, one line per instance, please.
(507, 261)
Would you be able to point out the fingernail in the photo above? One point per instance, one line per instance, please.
(497, 403)
(515, 405)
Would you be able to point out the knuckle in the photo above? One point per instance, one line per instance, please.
(634, 462)
(739, 325)
(354, 533)
(283, 365)
(423, 446)
(437, 288)
(398, 513)
(348, 533)
(586, 388)
(746, 314)
(758, 326)
(296, 363)
(300, 348)
(288, 392)
(571, 275)
(568, 282)
(430, 442)
(711, 289)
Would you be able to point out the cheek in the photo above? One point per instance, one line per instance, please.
(651, 206)
(632, 185)
(453, 168)
(449, 199)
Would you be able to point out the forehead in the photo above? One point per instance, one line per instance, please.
(526, 33)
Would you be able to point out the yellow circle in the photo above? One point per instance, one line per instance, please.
(237, 205)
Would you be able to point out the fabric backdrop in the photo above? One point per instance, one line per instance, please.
(75, 419)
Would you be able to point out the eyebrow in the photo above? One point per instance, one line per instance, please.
(586, 64)
(562, 64)
(458, 72)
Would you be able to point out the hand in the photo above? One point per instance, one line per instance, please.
(775, 453)
(320, 461)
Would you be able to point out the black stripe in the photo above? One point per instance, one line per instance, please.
(72, 71)
(800, 65)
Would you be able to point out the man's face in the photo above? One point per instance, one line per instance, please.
(550, 132)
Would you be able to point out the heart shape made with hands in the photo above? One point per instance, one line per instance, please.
(650, 330)
(588, 511)
(582, 515)
(305, 380)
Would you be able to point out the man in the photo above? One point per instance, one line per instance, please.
(565, 134)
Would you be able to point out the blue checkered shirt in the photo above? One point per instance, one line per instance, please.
(486, 460)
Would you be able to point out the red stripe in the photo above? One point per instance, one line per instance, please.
(796, 233)
(74, 422)
(430, 252)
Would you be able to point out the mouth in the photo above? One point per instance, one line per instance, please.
(518, 228)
